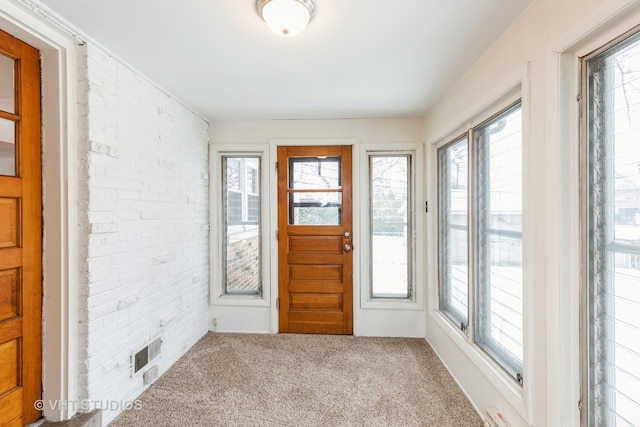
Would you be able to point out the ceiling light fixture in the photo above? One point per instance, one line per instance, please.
(286, 17)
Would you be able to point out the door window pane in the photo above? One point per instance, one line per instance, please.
(453, 193)
(7, 147)
(7, 84)
(317, 208)
(391, 231)
(613, 235)
(315, 173)
(242, 239)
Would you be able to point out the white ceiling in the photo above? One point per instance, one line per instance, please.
(356, 59)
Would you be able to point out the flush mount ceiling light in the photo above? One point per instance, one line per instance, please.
(286, 17)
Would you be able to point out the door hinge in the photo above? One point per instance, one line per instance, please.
(426, 207)
(277, 303)
(277, 234)
(580, 407)
(276, 166)
(579, 97)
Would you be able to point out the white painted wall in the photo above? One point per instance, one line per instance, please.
(539, 52)
(143, 209)
(243, 315)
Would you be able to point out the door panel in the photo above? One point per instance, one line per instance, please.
(8, 222)
(315, 244)
(20, 232)
(315, 271)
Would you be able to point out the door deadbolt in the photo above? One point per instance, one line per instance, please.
(347, 234)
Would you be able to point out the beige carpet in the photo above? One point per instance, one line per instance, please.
(304, 380)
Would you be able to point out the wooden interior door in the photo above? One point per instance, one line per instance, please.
(315, 261)
(20, 232)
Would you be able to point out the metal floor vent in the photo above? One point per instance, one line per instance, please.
(146, 355)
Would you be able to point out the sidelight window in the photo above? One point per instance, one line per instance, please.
(241, 211)
(391, 225)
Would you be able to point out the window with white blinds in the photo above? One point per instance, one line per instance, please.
(611, 89)
(480, 236)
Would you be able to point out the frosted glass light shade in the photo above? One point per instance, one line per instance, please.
(286, 17)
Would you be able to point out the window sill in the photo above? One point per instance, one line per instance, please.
(391, 304)
(240, 300)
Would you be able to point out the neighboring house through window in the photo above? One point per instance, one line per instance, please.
(241, 201)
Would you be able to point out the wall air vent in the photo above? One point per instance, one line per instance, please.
(149, 352)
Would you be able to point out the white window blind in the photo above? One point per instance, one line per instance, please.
(612, 322)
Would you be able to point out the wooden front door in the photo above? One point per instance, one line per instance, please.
(315, 261)
(20, 232)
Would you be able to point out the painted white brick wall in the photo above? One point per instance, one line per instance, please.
(144, 226)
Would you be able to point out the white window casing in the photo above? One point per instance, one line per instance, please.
(405, 163)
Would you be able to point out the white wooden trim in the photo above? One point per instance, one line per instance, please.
(60, 249)
(417, 302)
(610, 20)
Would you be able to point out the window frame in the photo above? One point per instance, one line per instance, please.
(587, 322)
(416, 302)
(244, 191)
(463, 324)
(501, 360)
(411, 236)
(217, 295)
(506, 361)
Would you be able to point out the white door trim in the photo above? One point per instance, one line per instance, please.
(27, 22)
